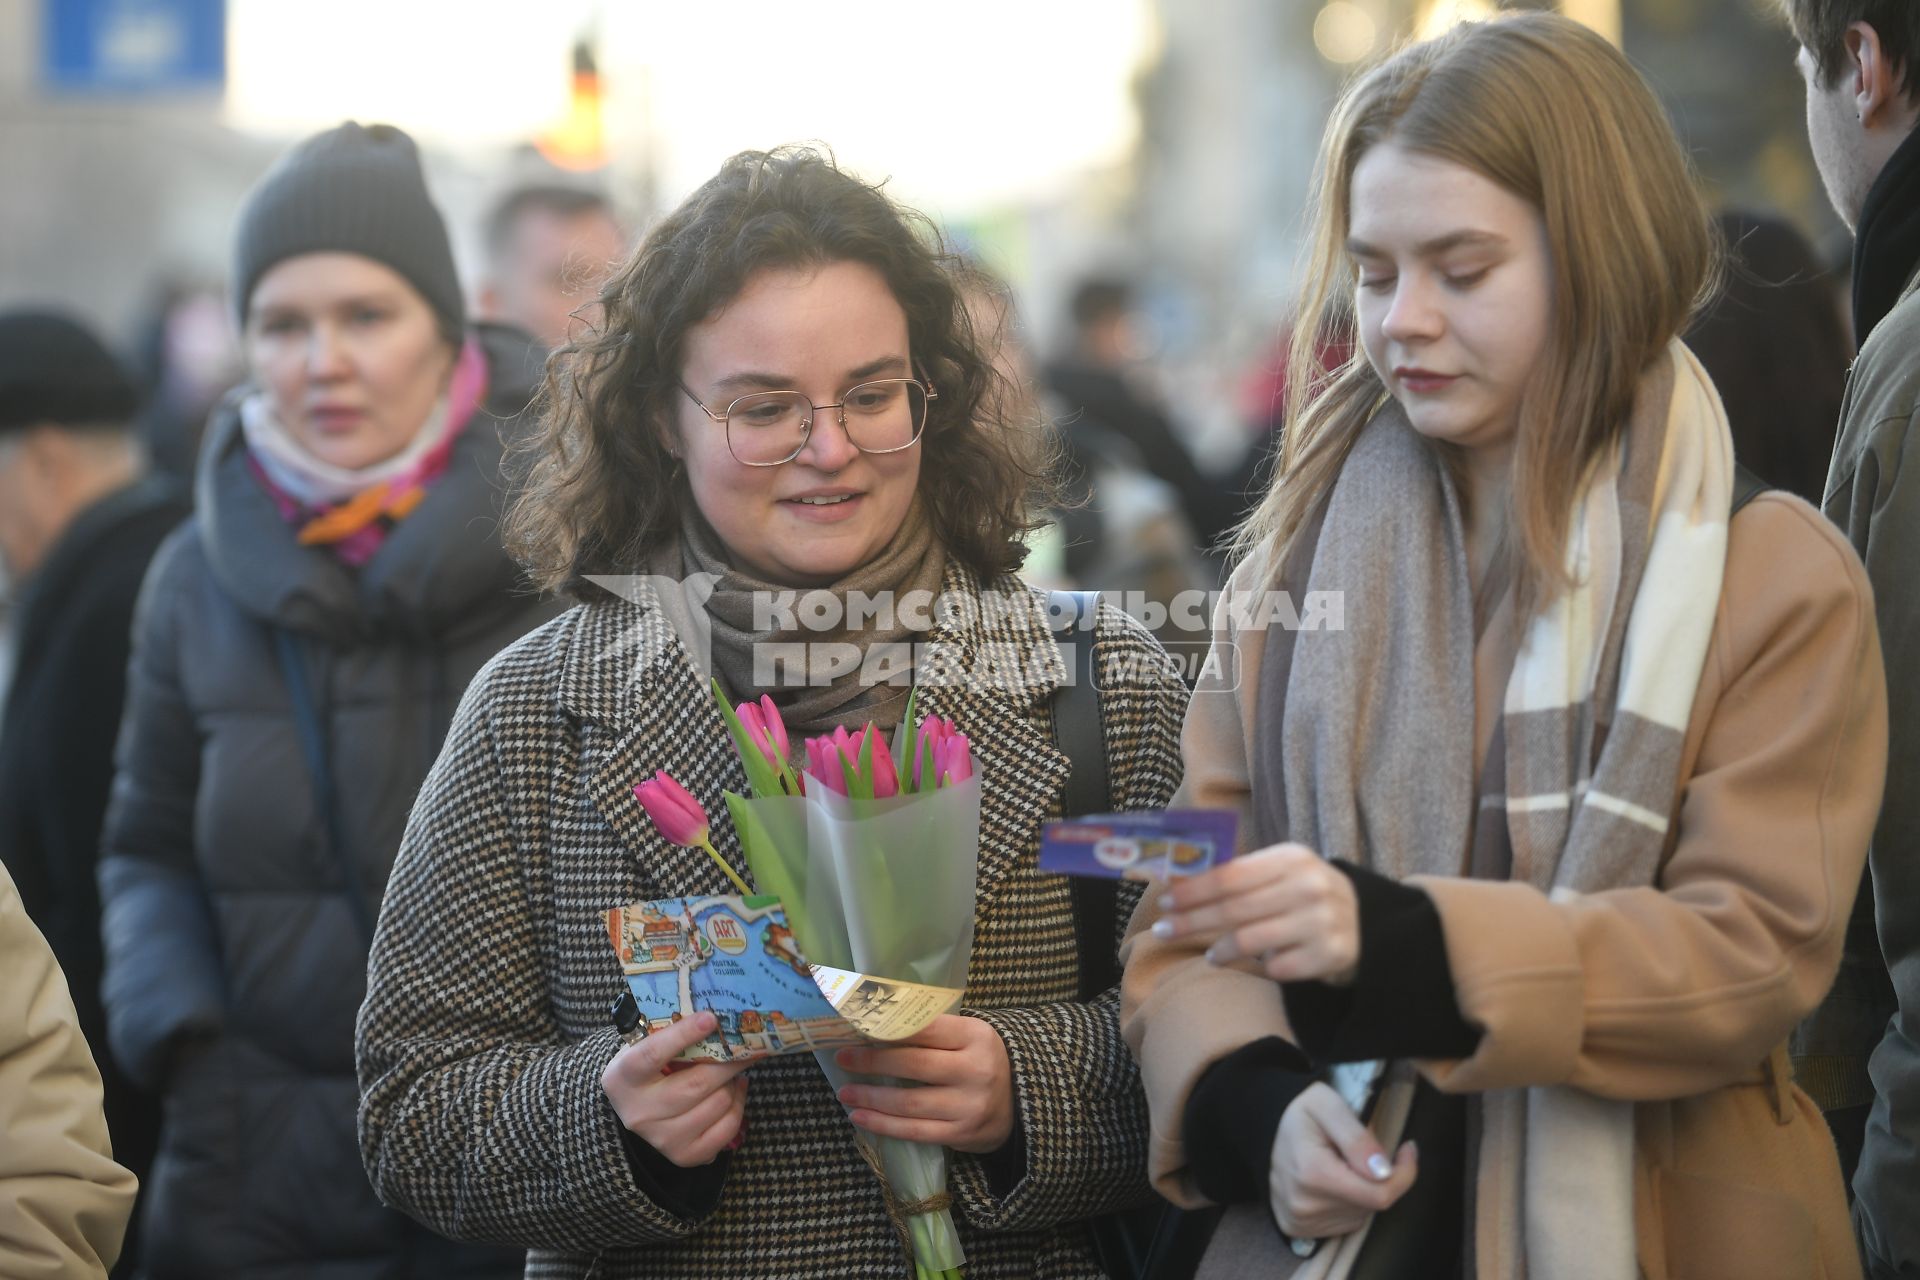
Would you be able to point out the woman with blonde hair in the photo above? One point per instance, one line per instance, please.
(1555, 832)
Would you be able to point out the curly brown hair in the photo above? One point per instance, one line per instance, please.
(597, 488)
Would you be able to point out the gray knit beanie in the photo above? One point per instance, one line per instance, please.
(353, 189)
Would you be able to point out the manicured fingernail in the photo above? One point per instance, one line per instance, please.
(1163, 929)
(1216, 954)
(1379, 1166)
(1166, 902)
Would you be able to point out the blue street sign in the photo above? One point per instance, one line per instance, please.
(133, 46)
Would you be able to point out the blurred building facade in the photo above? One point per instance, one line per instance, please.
(109, 198)
(114, 197)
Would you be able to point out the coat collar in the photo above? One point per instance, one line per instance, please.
(993, 668)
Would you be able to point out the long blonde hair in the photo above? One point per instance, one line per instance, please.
(1551, 111)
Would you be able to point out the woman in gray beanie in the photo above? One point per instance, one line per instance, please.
(298, 653)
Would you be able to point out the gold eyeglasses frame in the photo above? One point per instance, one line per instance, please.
(806, 426)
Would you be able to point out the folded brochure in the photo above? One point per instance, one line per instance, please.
(735, 958)
(1152, 844)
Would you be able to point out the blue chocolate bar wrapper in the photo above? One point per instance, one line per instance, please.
(1156, 844)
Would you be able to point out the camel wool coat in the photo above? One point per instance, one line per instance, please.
(1678, 996)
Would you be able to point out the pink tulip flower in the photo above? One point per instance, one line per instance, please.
(753, 720)
(680, 820)
(850, 745)
(931, 742)
(823, 762)
(886, 778)
(836, 758)
(846, 744)
(776, 728)
(954, 763)
(676, 815)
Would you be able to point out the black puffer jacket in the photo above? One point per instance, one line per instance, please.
(235, 961)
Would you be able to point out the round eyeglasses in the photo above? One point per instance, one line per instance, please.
(768, 428)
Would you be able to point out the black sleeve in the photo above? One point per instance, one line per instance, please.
(690, 1193)
(1401, 1002)
(1233, 1114)
(75, 760)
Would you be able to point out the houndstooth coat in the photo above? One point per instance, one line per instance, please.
(485, 1032)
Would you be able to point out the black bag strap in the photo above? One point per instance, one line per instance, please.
(1746, 487)
(1125, 1243)
(312, 728)
(1079, 730)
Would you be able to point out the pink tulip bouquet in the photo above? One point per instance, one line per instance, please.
(871, 849)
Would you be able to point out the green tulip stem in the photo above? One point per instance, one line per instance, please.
(721, 862)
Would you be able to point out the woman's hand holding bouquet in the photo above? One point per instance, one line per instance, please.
(963, 1094)
(871, 851)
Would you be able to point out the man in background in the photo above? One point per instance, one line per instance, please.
(1863, 99)
(1093, 383)
(548, 251)
(78, 523)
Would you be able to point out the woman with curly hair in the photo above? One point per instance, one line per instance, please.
(786, 408)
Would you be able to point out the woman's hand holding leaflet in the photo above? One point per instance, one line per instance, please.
(688, 1114)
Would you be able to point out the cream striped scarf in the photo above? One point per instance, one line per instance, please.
(1379, 725)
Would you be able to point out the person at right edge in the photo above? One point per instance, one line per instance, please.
(1553, 838)
(1861, 1050)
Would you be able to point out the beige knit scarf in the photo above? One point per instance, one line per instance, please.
(1379, 720)
(902, 584)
